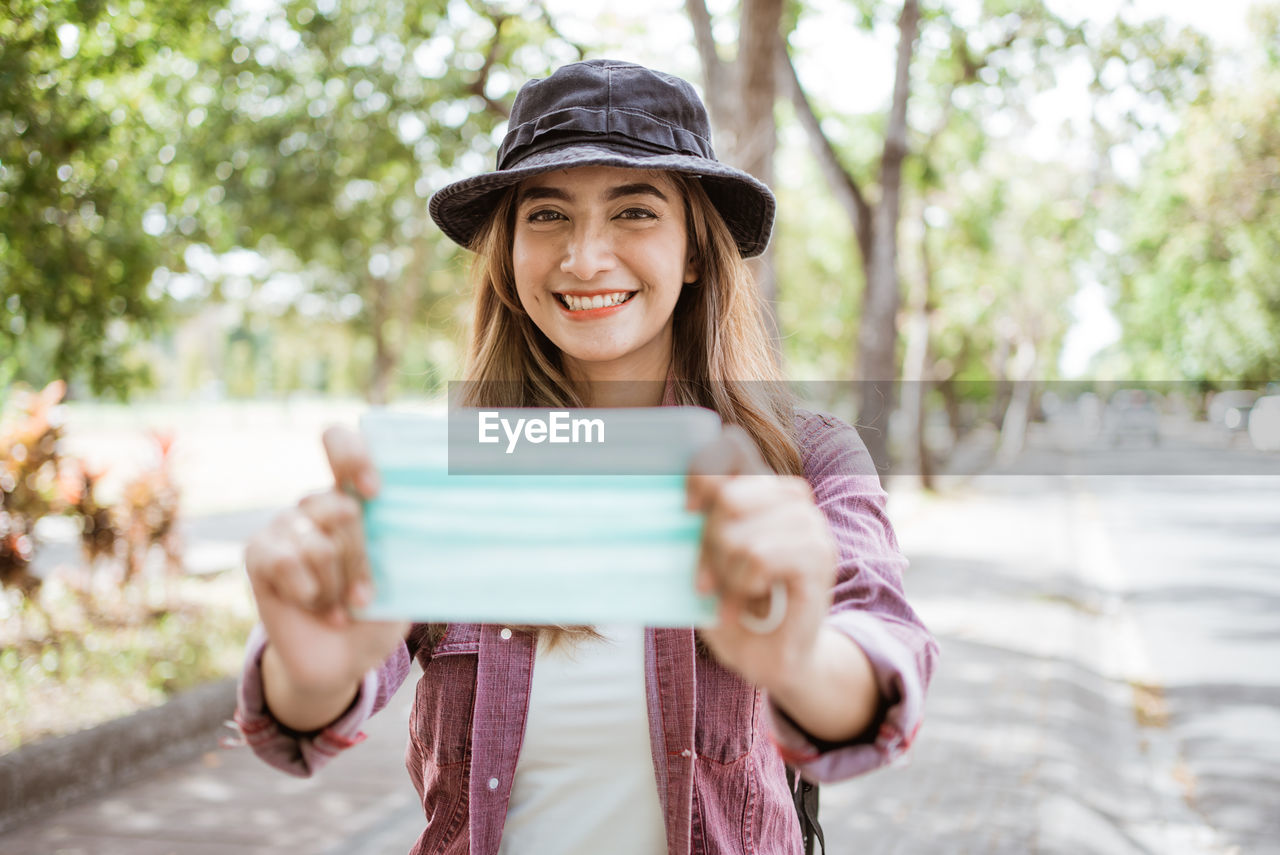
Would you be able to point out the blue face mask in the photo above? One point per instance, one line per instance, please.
(536, 516)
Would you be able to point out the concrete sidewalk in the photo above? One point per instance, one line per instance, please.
(1040, 736)
(226, 801)
(1034, 738)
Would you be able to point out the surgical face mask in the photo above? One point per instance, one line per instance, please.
(536, 516)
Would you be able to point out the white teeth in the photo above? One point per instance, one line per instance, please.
(598, 301)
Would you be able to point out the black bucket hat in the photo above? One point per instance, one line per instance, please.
(607, 113)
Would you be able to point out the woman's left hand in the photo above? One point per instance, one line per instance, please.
(761, 530)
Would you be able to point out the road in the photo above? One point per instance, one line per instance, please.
(1110, 680)
(1195, 564)
(1200, 562)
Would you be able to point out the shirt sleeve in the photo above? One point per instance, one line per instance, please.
(303, 754)
(868, 606)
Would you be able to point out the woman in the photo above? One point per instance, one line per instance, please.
(609, 272)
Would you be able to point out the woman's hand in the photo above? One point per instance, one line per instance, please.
(308, 568)
(762, 532)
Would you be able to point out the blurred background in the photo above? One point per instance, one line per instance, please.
(1014, 238)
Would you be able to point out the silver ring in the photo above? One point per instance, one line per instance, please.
(777, 612)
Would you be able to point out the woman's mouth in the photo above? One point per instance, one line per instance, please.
(575, 303)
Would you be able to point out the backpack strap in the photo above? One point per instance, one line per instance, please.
(805, 795)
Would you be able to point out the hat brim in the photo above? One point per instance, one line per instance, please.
(745, 203)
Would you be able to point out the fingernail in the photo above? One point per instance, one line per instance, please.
(361, 594)
(368, 484)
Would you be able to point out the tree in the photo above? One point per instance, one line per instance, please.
(316, 134)
(741, 92)
(957, 58)
(82, 127)
(310, 134)
(1198, 293)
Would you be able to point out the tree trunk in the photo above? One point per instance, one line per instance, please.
(1002, 387)
(878, 329)
(740, 97)
(716, 74)
(915, 365)
(951, 403)
(1013, 428)
(914, 390)
(757, 133)
(384, 355)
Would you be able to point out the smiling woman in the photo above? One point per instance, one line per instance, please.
(609, 272)
(600, 259)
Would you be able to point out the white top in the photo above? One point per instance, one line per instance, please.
(584, 781)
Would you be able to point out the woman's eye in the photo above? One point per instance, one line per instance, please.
(545, 215)
(637, 214)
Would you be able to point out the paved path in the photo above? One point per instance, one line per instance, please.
(228, 802)
(1034, 738)
(1054, 726)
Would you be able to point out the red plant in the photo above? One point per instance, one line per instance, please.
(28, 481)
(100, 535)
(35, 481)
(148, 513)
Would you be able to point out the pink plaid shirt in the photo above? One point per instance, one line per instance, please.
(718, 744)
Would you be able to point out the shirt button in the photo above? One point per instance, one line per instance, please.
(686, 753)
(493, 783)
(506, 634)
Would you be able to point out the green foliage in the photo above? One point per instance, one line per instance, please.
(1001, 240)
(315, 135)
(312, 134)
(1165, 65)
(1014, 233)
(80, 127)
(142, 145)
(110, 664)
(1198, 289)
(1264, 23)
(814, 257)
(1003, 268)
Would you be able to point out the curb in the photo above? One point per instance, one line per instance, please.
(52, 773)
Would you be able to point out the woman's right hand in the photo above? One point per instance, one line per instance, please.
(308, 568)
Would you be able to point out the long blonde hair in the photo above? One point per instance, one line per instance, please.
(721, 355)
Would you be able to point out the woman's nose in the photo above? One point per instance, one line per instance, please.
(589, 252)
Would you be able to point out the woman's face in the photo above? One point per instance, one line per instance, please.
(600, 257)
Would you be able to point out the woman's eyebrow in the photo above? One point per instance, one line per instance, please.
(639, 188)
(543, 193)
